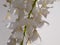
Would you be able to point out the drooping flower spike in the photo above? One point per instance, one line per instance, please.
(29, 13)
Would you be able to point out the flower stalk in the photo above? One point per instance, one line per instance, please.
(33, 5)
(24, 33)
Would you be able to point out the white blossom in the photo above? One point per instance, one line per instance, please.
(29, 14)
(46, 1)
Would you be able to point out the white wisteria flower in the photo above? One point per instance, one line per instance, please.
(29, 17)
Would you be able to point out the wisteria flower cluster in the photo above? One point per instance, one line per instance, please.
(29, 17)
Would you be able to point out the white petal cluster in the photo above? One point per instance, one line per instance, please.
(29, 14)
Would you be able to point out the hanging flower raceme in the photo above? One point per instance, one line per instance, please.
(29, 17)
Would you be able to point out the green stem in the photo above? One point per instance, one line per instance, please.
(21, 42)
(23, 35)
(33, 5)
